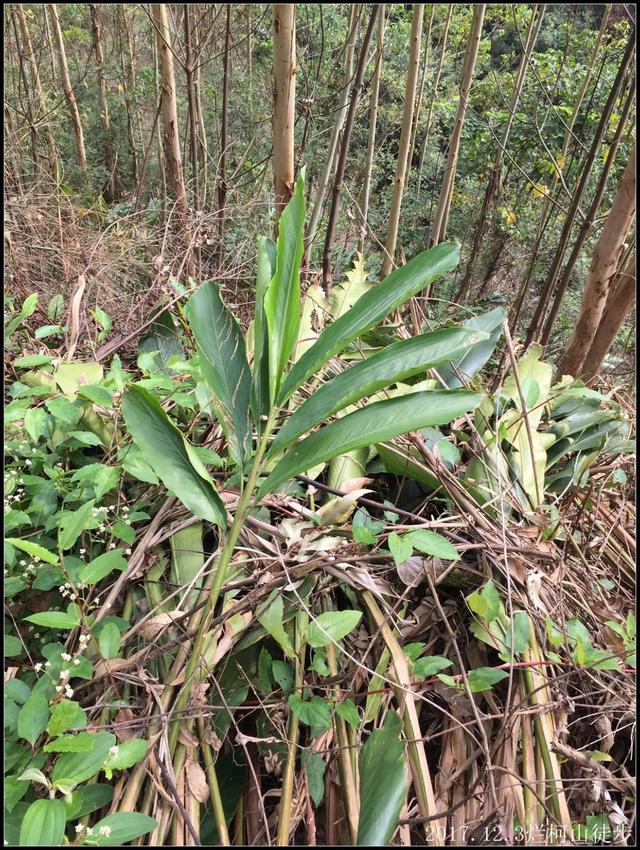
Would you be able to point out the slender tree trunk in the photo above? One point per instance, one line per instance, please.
(619, 304)
(590, 217)
(193, 131)
(157, 124)
(112, 191)
(405, 138)
(323, 183)
(171, 140)
(603, 267)
(28, 107)
(222, 175)
(27, 49)
(494, 185)
(344, 149)
(434, 92)
(373, 120)
(547, 207)
(127, 64)
(439, 227)
(284, 102)
(423, 79)
(202, 133)
(66, 85)
(578, 194)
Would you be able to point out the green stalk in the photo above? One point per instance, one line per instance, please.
(284, 815)
(214, 788)
(198, 647)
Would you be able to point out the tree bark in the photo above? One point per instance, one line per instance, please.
(439, 227)
(171, 140)
(193, 132)
(494, 185)
(112, 190)
(67, 87)
(590, 218)
(344, 149)
(222, 175)
(405, 139)
(423, 79)
(127, 64)
(619, 304)
(373, 120)
(323, 183)
(284, 102)
(27, 49)
(579, 191)
(603, 267)
(434, 92)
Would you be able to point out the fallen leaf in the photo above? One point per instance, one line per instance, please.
(197, 781)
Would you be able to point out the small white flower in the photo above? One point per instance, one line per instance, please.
(65, 656)
(112, 545)
(76, 661)
(127, 522)
(47, 664)
(84, 638)
(79, 828)
(68, 691)
(127, 551)
(64, 674)
(89, 831)
(58, 688)
(114, 751)
(37, 667)
(27, 463)
(23, 563)
(82, 551)
(105, 830)
(97, 600)
(73, 597)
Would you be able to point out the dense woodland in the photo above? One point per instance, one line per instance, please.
(319, 443)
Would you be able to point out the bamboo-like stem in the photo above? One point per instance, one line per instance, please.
(214, 788)
(284, 813)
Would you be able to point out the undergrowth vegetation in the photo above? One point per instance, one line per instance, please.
(321, 581)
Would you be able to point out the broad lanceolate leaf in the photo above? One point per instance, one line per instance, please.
(383, 784)
(33, 717)
(282, 299)
(375, 423)
(122, 828)
(331, 626)
(33, 549)
(170, 456)
(43, 824)
(474, 360)
(394, 363)
(78, 767)
(370, 310)
(266, 269)
(224, 365)
(433, 544)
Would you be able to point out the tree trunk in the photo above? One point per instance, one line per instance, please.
(344, 149)
(494, 186)
(373, 120)
(193, 131)
(157, 124)
(603, 267)
(579, 191)
(619, 304)
(405, 139)
(547, 208)
(202, 133)
(423, 79)
(434, 92)
(590, 217)
(67, 88)
(27, 49)
(171, 140)
(127, 64)
(222, 176)
(323, 183)
(439, 227)
(284, 102)
(112, 191)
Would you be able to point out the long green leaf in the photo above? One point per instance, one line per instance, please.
(370, 309)
(383, 784)
(282, 299)
(375, 423)
(394, 363)
(170, 456)
(267, 252)
(474, 360)
(224, 365)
